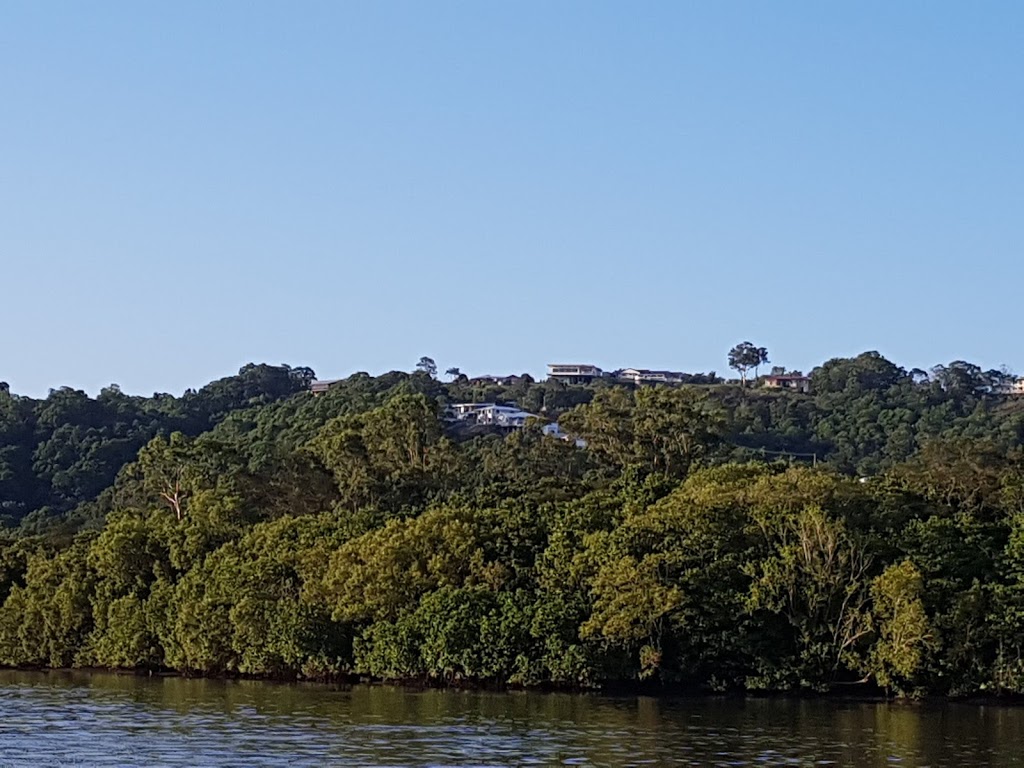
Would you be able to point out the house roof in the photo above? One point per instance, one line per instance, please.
(506, 409)
(649, 372)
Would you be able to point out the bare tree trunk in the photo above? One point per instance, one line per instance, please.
(174, 496)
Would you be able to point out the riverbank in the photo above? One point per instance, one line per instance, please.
(620, 689)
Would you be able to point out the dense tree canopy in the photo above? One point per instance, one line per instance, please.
(705, 535)
(64, 450)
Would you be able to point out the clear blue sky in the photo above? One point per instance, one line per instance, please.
(188, 186)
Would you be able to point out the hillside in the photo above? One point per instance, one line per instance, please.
(711, 536)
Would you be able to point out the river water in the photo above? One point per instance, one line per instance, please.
(80, 719)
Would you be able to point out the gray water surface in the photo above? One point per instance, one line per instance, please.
(51, 719)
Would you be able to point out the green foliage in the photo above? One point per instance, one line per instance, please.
(454, 634)
(393, 456)
(47, 620)
(63, 451)
(904, 632)
(656, 429)
(814, 576)
(251, 528)
(386, 571)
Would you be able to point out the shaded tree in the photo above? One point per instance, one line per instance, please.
(745, 356)
(427, 366)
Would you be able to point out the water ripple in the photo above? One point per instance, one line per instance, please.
(107, 720)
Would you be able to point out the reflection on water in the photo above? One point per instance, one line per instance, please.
(109, 720)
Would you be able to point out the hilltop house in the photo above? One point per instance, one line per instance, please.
(462, 411)
(319, 387)
(507, 416)
(574, 373)
(645, 376)
(489, 414)
(792, 381)
(506, 381)
(1015, 388)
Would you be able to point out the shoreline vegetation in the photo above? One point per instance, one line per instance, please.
(619, 689)
(622, 688)
(866, 537)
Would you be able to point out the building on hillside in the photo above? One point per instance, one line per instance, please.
(462, 411)
(1015, 388)
(319, 387)
(573, 373)
(488, 414)
(646, 376)
(504, 381)
(555, 431)
(791, 381)
(506, 416)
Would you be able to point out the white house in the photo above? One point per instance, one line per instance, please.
(489, 414)
(503, 416)
(646, 376)
(1015, 387)
(574, 373)
(555, 431)
(461, 411)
